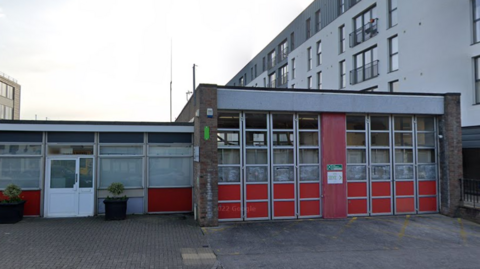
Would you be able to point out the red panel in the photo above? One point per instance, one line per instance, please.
(404, 188)
(381, 205)
(169, 200)
(257, 191)
(381, 189)
(283, 191)
(427, 188)
(229, 192)
(428, 204)
(405, 205)
(309, 208)
(284, 209)
(257, 210)
(357, 206)
(32, 206)
(229, 211)
(334, 152)
(309, 190)
(357, 189)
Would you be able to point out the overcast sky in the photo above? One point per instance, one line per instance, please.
(110, 59)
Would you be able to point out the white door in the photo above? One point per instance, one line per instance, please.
(69, 187)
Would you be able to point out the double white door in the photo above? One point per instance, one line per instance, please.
(69, 187)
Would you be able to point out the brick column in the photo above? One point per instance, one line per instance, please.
(206, 170)
(451, 165)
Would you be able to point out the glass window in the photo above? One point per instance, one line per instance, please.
(356, 123)
(393, 47)
(170, 150)
(170, 172)
(256, 139)
(403, 123)
(229, 174)
(272, 80)
(283, 50)
(393, 86)
(257, 174)
(256, 121)
(356, 156)
(380, 156)
(282, 121)
(404, 156)
(477, 79)
(24, 172)
(228, 139)
(272, 59)
(319, 80)
(309, 173)
(293, 68)
(425, 124)
(257, 156)
(228, 156)
(308, 121)
(379, 123)
(380, 172)
(70, 150)
(404, 171)
(308, 138)
(309, 82)
(341, 7)
(63, 174)
(283, 173)
(308, 28)
(343, 75)
(426, 156)
(308, 156)
(427, 171)
(292, 41)
(86, 173)
(476, 20)
(426, 140)
(318, 20)
(356, 172)
(309, 55)
(356, 139)
(341, 32)
(121, 150)
(283, 156)
(20, 149)
(128, 171)
(228, 120)
(403, 140)
(282, 138)
(393, 13)
(283, 74)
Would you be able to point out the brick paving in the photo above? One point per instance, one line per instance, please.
(143, 241)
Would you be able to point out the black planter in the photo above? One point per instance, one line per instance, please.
(115, 209)
(11, 212)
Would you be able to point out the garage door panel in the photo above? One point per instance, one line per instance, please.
(257, 191)
(257, 210)
(229, 211)
(357, 189)
(427, 188)
(357, 207)
(382, 206)
(284, 208)
(405, 205)
(229, 192)
(381, 189)
(309, 190)
(427, 204)
(404, 188)
(284, 191)
(310, 208)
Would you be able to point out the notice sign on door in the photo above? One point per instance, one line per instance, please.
(335, 174)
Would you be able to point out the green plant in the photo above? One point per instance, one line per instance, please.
(116, 188)
(12, 192)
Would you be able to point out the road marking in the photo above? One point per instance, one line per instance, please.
(463, 234)
(404, 227)
(345, 227)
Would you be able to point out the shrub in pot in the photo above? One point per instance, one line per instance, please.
(116, 206)
(11, 209)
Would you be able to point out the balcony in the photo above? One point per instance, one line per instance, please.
(364, 33)
(272, 83)
(283, 80)
(363, 73)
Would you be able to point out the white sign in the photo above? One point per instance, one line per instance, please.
(196, 154)
(334, 177)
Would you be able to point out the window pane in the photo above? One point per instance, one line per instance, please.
(355, 139)
(403, 140)
(404, 172)
(380, 156)
(394, 45)
(425, 124)
(282, 156)
(121, 150)
(309, 173)
(308, 139)
(86, 173)
(380, 139)
(379, 123)
(283, 173)
(426, 156)
(256, 121)
(306, 121)
(63, 174)
(24, 172)
(403, 123)
(427, 171)
(282, 139)
(228, 174)
(257, 174)
(256, 138)
(356, 172)
(128, 171)
(170, 151)
(282, 121)
(381, 172)
(170, 172)
(20, 149)
(394, 62)
(308, 156)
(70, 150)
(257, 156)
(356, 156)
(476, 6)
(228, 156)
(425, 140)
(404, 156)
(355, 123)
(477, 31)
(228, 139)
(228, 120)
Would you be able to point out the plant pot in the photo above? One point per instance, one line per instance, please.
(11, 212)
(115, 209)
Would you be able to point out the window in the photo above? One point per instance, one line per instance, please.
(318, 22)
(271, 59)
(251, 72)
(255, 70)
(9, 92)
(241, 82)
(341, 32)
(264, 82)
(293, 86)
(319, 52)
(319, 80)
(8, 113)
(341, 7)
(2, 112)
(292, 41)
(477, 80)
(263, 64)
(365, 26)
(309, 55)
(393, 51)
(307, 27)
(309, 82)
(366, 66)
(271, 80)
(284, 75)
(393, 86)
(293, 68)
(283, 50)
(343, 75)
(392, 13)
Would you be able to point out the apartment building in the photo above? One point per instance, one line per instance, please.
(428, 46)
(9, 98)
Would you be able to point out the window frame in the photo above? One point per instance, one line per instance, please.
(319, 80)
(392, 54)
(342, 41)
(309, 59)
(308, 28)
(476, 98)
(391, 85)
(475, 21)
(319, 52)
(343, 74)
(392, 10)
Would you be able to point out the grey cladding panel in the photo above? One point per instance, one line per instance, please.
(70, 137)
(471, 137)
(35, 137)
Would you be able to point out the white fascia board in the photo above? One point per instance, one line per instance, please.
(95, 128)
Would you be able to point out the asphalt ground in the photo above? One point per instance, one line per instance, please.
(140, 241)
(416, 241)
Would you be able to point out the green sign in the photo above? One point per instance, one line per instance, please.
(206, 133)
(334, 167)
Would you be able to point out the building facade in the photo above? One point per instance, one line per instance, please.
(9, 98)
(388, 45)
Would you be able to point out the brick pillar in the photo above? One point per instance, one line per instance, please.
(206, 170)
(451, 168)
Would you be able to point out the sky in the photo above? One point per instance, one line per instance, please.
(110, 60)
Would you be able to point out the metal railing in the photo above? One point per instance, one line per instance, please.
(364, 33)
(470, 192)
(283, 79)
(8, 77)
(363, 73)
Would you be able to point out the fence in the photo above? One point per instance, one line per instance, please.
(470, 192)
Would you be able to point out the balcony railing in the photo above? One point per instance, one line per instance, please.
(364, 33)
(283, 79)
(283, 55)
(470, 192)
(363, 73)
